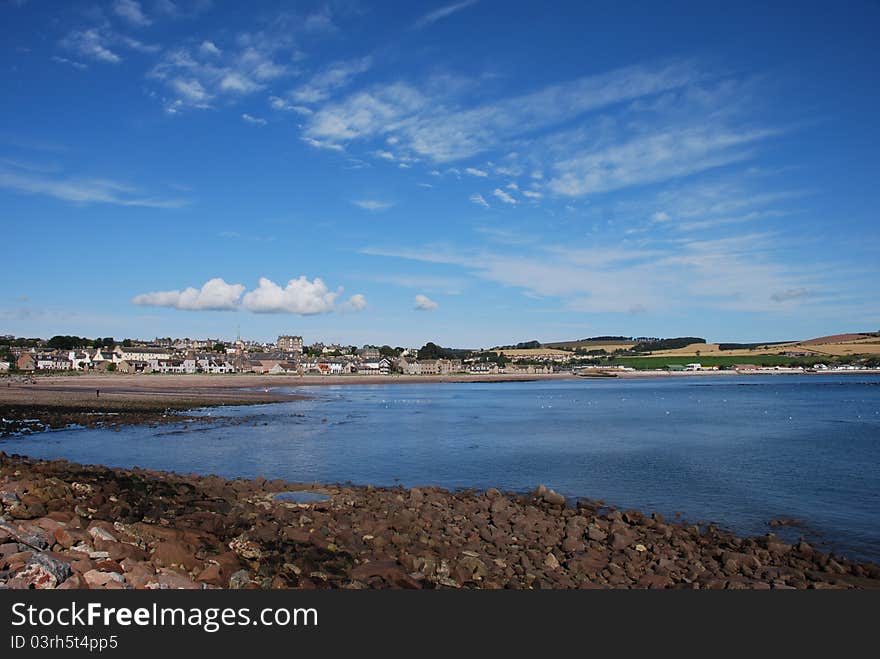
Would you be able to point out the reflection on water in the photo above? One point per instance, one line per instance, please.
(737, 451)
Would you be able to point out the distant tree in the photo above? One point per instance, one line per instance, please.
(431, 351)
(111, 367)
(126, 343)
(66, 342)
(219, 347)
(389, 352)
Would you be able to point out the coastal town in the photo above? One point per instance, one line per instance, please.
(289, 355)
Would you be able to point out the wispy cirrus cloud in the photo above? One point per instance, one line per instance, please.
(441, 13)
(373, 204)
(433, 122)
(131, 11)
(734, 273)
(332, 78)
(479, 200)
(91, 44)
(82, 190)
(498, 193)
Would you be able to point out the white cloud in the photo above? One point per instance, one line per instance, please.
(336, 76)
(209, 48)
(238, 83)
(651, 158)
(92, 44)
(215, 295)
(503, 196)
(300, 296)
(476, 172)
(430, 122)
(660, 216)
(424, 303)
(442, 12)
(318, 144)
(253, 120)
(320, 21)
(231, 72)
(372, 204)
(131, 11)
(478, 199)
(82, 190)
(733, 273)
(73, 63)
(532, 194)
(356, 302)
(191, 90)
(279, 103)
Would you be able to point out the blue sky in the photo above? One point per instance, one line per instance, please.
(472, 173)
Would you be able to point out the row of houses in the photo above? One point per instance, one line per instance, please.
(159, 359)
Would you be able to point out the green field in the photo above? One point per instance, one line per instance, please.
(643, 363)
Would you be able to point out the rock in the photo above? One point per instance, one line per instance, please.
(595, 533)
(572, 543)
(241, 580)
(99, 533)
(171, 553)
(107, 580)
(391, 572)
(44, 572)
(551, 562)
(68, 537)
(655, 581)
(246, 548)
(621, 539)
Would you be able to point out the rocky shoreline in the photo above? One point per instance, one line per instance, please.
(65, 525)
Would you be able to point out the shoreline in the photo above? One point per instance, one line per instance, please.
(49, 402)
(74, 526)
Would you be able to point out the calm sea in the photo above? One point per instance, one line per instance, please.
(736, 451)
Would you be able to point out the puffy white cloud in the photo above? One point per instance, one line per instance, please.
(253, 120)
(209, 48)
(356, 302)
(215, 295)
(300, 296)
(424, 303)
(476, 172)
